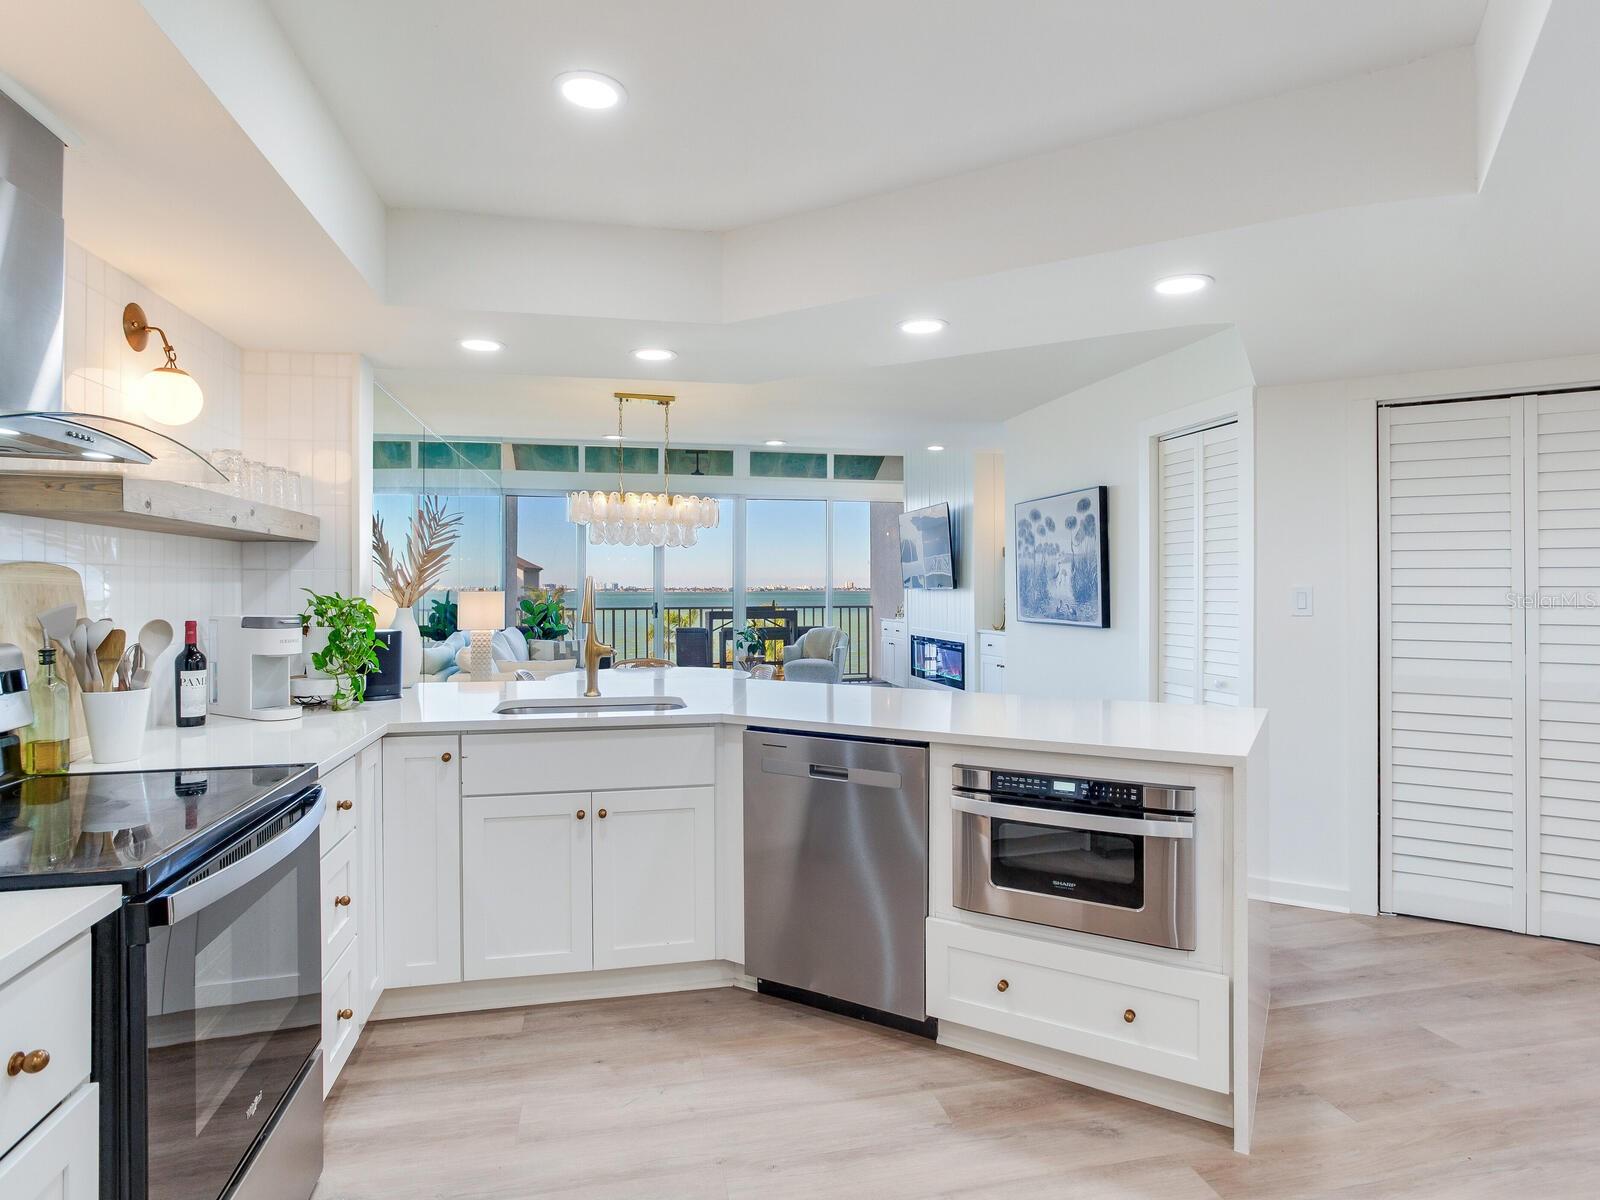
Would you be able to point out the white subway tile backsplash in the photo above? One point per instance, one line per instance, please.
(287, 409)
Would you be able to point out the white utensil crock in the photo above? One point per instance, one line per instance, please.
(116, 722)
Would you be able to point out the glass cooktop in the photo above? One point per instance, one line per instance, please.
(134, 828)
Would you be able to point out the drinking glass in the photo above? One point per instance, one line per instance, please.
(277, 485)
(231, 463)
(255, 480)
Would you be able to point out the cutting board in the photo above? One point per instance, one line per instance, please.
(26, 590)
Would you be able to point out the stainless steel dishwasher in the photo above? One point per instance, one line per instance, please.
(836, 873)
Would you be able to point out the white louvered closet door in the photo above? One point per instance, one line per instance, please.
(1198, 557)
(1563, 566)
(1452, 679)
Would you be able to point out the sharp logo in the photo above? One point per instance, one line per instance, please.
(1064, 885)
(254, 1104)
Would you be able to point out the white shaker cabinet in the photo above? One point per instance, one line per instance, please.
(369, 830)
(526, 873)
(421, 860)
(654, 876)
(60, 1157)
(894, 652)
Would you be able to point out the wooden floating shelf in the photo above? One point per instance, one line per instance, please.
(156, 505)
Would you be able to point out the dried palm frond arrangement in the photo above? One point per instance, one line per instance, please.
(411, 576)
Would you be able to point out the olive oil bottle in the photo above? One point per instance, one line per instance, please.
(46, 744)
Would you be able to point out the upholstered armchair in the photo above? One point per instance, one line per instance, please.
(817, 657)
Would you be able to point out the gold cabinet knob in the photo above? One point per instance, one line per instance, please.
(344, 1014)
(445, 757)
(582, 814)
(1128, 1015)
(601, 814)
(341, 901)
(345, 805)
(1002, 985)
(30, 1063)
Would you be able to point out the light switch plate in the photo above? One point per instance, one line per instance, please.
(1302, 602)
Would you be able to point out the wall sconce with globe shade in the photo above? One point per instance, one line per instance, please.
(170, 394)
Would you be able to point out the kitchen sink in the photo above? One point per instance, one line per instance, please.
(552, 705)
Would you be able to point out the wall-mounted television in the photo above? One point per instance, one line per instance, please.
(927, 551)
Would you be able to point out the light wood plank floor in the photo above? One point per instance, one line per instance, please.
(1405, 1059)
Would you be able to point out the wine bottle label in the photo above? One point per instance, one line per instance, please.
(192, 693)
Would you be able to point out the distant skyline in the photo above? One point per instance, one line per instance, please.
(787, 548)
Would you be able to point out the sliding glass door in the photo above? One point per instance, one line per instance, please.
(781, 565)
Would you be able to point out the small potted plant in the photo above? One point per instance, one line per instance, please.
(350, 650)
(544, 623)
(747, 648)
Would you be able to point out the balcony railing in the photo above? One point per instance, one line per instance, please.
(629, 629)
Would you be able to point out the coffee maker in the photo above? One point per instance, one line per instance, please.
(16, 709)
(252, 659)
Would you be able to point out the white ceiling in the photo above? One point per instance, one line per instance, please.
(1354, 229)
(741, 112)
(956, 401)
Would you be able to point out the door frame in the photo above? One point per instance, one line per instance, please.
(1238, 407)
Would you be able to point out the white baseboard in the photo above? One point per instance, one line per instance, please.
(1302, 895)
(477, 995)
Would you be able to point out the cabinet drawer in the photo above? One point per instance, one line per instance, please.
(340, 896)
(1167, 1021)
(992, 643)
(59, 1160)
(339, 1025)
(46, 1008)
(501, 764)
(341, 786)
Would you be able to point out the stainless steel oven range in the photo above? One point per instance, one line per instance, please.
(1099, 856)
(208, 979)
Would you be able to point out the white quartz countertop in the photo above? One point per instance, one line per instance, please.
(1200, 734)
(35, 923)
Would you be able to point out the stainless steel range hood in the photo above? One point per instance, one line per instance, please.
(33, 423)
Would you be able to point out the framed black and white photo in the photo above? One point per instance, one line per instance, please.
(1063, 559)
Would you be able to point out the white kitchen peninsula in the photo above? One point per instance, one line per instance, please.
(519, 859)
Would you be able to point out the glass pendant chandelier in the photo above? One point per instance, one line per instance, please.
(623, 518)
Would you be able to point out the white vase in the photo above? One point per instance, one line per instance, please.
(410, 646)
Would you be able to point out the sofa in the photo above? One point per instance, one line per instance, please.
(508, 647)
(817, 656)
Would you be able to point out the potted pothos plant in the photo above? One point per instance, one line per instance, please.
(748, 648)
(350, 651)
(544, 623)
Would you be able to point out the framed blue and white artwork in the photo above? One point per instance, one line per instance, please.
(1064, 559)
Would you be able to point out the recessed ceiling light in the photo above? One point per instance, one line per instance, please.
(481, 345)
(613, 437)
(922, 325)
(97, 455)
(776, 442)
(1183, 285)
(936, 449)
(590, 89)
(654, 355)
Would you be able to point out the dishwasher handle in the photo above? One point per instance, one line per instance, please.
(827, 773)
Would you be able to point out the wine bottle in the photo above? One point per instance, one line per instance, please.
(193, 685)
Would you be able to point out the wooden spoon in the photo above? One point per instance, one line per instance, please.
(109, 655)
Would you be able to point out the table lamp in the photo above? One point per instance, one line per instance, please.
(480, 613)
